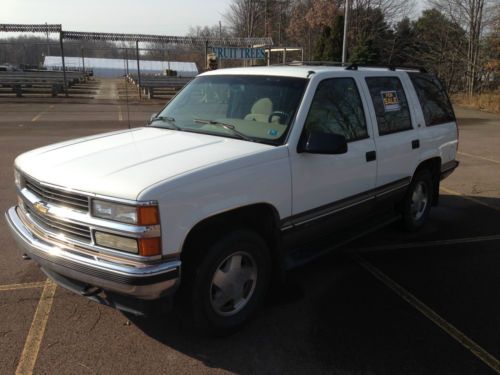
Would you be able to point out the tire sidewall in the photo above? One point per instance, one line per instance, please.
(410, 223)
(204, 315)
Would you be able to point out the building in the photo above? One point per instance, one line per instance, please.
(103, 67)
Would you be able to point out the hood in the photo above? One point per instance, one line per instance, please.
(122, 164)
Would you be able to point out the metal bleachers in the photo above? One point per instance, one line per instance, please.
(158, 86)
(38, 82)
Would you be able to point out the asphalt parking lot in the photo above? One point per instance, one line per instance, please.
(389, 303)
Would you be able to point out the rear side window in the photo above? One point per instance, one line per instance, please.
(391, 106)
(433, 99)
(337, 108)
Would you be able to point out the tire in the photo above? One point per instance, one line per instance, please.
(227, 284)
(417, 202)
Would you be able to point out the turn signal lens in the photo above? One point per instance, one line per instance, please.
(149, 246)
(148, 215)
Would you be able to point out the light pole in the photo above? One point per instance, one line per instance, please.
(344, 42)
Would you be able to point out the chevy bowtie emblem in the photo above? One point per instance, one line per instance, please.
(41, 207)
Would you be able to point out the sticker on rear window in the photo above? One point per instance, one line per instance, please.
(391, 101)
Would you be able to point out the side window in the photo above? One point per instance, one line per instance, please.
(337, 108)
(391, 106)
(433, 99)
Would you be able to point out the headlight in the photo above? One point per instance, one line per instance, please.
(142, 246)
(17, 178)
(139, 215)
(116, 242)
(114, 211)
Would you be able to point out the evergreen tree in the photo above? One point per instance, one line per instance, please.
(372, 43)
(329, 44)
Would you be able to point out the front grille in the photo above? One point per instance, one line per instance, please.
(58, 197)
(58, 227)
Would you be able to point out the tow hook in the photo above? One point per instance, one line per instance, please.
(26, 257)
(90, 291)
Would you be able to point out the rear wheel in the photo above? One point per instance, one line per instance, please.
(228, 283)
(418, 200)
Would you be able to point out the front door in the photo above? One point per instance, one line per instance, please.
(324, 185)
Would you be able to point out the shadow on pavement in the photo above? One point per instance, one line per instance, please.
(336, 318)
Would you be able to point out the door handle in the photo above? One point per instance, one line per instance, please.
(371, 156)
(415, 143)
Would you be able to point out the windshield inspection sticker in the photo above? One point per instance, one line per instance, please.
(391, 101)
(272, 132)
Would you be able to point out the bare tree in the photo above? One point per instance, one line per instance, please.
(244, 17)
(472, 16)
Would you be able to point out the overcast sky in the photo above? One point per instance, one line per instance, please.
(166, 17)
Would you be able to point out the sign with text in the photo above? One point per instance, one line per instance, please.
(237, 53)
(391, 101)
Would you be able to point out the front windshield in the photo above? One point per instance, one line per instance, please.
(253, 108)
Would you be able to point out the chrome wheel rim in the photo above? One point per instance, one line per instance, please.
(419, 201)
(233, 283)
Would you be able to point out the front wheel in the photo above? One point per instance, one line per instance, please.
(418, 201)
(228, 283)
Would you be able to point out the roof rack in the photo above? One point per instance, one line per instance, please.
(316, 63)
(421, 69)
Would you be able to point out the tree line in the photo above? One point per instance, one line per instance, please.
(459, 40)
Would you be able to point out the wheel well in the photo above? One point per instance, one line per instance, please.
(262, 218)
(434, 166)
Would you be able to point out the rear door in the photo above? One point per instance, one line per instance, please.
(397, 136)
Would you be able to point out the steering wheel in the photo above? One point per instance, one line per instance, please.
(283, 116)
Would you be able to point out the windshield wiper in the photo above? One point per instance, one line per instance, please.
(229, 127)
(167, 119)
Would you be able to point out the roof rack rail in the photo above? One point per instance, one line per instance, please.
(421, 69)
(316, 63)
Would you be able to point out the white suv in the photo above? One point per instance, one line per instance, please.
(245, 173)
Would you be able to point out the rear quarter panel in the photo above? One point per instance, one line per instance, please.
(437, 140)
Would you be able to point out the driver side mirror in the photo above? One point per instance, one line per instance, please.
(152, 117)
(323, 143)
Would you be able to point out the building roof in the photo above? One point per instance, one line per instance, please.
(119, 64)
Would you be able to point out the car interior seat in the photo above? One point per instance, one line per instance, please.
(261, 110)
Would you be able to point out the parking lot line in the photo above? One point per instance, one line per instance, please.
(412, 245)
(37, 330)
(120, 114)
(453, 192)
(479, 157)
(430, 314)
(37, 117)
(22, 286)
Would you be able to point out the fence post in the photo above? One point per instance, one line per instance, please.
(138, 68)
(206, 54)
(63, 63)
(83, 64)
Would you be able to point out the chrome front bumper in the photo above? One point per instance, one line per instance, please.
(138, 280)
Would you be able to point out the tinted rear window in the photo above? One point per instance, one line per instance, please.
(433, 99)
(391, 106)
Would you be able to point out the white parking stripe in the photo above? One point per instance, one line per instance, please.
(430, 314)
(411, 245)
(35, 334)
(472, 199)
(22, 286)
(479, 157)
